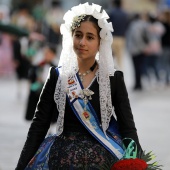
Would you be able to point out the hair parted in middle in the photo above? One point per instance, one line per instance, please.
(82, 18)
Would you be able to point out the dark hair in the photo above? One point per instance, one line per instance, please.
(56, 3)
(117, 3)
(90, 18)
(152, 18)
(53, 49)
(23, 6)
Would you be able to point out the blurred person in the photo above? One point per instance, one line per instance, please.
(6, 55)
(4, 14)
(6, 64)
(84, 80)
(35, 41)
(53, 19)
(152, 61)
(23, 18)
(137, 44)
(166, 45)
(21, 64)
(38, 12)
(119, 18)
(37, 76)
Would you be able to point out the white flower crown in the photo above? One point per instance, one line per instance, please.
(86, 9)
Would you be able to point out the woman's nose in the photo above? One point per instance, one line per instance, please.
(82, 42)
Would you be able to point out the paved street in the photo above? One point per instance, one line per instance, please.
(151, 109)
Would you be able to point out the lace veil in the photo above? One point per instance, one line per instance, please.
(69, 64)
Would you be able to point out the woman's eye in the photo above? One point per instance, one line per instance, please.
(77, 35)
(90, 37)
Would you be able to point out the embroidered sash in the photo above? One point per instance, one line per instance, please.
(88, 117)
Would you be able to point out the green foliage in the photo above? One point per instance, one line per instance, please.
(148, 158)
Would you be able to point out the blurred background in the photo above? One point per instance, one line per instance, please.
(30, 43)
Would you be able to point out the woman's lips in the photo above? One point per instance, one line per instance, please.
(82, 50)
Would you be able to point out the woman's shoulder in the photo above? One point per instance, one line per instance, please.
(117, 78)
(53, 69)
(52, 74)
(117, 74)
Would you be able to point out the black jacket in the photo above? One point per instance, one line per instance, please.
(43, 115)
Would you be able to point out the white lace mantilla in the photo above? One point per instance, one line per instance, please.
(68, 61)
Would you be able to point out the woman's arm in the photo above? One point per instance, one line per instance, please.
(41, 121)
(123, 109)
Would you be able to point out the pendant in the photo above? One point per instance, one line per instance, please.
(86, 115)
(86, 94)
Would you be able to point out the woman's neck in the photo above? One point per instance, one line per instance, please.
(85, 65)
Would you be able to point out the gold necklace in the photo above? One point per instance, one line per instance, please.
(81, 75)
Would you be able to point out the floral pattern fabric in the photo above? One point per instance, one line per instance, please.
(79, 151)
(41, 158)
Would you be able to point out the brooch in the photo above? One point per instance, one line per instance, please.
(86, 94)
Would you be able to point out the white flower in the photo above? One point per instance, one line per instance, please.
(96, 14)
(104, 24)
(88, 9)
(106, 35)
(105, 15)
(78, 10)
(110, 27)
(96, 7)
(68, 17)
(65, 29)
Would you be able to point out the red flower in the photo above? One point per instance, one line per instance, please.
(130, 164)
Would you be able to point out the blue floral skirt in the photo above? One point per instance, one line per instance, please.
(79, 151)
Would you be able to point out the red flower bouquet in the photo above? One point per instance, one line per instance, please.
(130, 164)
(133, 161)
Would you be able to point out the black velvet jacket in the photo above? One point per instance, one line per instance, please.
(46, 106)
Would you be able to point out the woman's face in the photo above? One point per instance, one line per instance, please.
(86, 40)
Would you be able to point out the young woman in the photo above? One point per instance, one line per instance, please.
(87, 90)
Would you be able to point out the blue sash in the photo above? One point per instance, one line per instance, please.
(89, 119)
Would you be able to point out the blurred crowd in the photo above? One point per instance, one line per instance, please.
(28, 33)
(30, 42)
(145, 37)
(30, 50)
